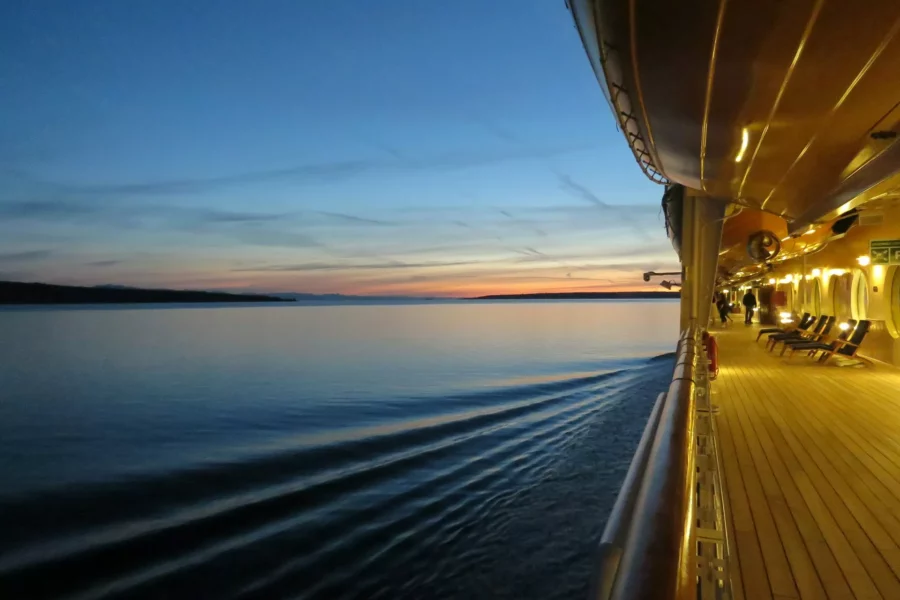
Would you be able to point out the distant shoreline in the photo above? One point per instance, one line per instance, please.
(15, 293)
(582, 296)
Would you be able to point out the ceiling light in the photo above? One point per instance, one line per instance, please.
(745, 139)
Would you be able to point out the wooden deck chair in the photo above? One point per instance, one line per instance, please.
(823, 335)
(823, 325)
(847, 344)
(805, 322)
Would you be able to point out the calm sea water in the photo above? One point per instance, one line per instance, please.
(436, 450)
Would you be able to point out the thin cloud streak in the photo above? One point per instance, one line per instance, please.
(352, 267)
(25, 256)
(298, 174)
(103, 263)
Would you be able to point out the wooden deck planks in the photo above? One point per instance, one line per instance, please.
(812, 471)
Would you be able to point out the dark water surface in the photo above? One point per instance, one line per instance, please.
(453, 450)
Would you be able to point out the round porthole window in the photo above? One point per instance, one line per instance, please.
(841, 296)
(815, 301)
(895, 302)
(860, 303)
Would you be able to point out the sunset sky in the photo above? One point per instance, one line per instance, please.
(411, 147)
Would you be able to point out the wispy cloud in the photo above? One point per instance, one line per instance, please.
(296, 174)
(581, 191)
(103, 263)
(12, 257)
(396, 264)
(353, 218)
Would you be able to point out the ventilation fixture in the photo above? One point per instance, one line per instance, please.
(763, 245)
(871, 218)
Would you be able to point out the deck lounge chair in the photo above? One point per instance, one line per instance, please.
(805, 322)
(823, 325)
(821, 335)
(847, 344)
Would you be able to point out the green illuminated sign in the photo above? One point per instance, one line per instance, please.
(885, 252)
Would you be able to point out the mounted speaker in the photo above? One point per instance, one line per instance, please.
(763, 245)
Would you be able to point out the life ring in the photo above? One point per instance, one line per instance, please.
(712, 352)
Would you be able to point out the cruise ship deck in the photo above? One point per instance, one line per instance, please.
(811, 458)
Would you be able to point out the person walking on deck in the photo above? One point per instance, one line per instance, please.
(749, 303)
(723, 306)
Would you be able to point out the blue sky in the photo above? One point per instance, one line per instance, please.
(392, 147)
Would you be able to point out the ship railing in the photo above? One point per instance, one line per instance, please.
(667, 536)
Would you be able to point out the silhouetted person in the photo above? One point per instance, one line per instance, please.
(723, 306)
(749, 303)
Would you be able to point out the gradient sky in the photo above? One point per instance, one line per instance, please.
(415, 147)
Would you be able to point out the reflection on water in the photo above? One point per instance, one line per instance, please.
(449, 450)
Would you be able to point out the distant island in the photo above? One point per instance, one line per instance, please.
(12, 292)
(582, 296)
(349, 299)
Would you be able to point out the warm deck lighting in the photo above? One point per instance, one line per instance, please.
(772, 280)
(837, 272)
(745, 140)
(809, 231)
(816, 272)
(864, 260)
(787, 278)
(844, 326)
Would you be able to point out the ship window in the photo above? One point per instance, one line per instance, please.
(815, 303)
(895, 300)
(840, 295)
(860, 295)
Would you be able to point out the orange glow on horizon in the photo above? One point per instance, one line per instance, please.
(451, 281)
(450, 288)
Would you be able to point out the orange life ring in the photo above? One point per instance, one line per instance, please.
(712, 352)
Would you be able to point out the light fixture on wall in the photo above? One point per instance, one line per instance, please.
(864, 260)
(816, 272)
(772, 281)
(844, 326)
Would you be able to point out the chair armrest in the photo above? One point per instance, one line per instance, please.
(846, 343)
